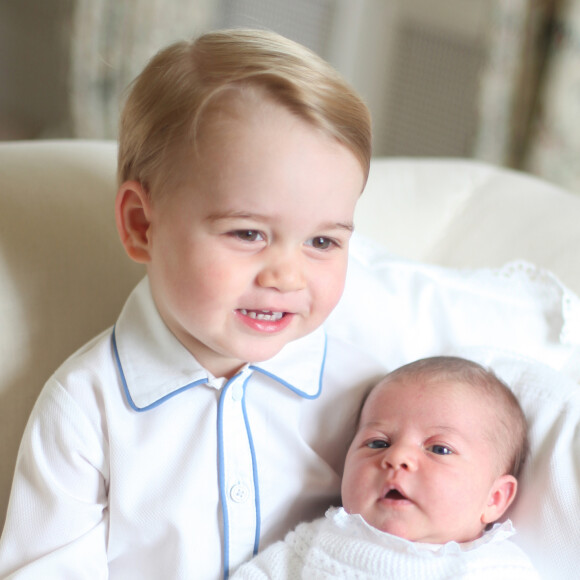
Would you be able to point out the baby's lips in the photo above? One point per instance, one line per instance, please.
(394, 492)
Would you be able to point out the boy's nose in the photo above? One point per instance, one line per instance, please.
(283, 273)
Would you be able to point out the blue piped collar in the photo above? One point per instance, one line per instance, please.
(154, 366)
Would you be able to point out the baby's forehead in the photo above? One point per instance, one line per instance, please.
(429, 385)
(425, 395)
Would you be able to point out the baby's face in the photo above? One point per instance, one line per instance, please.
(249, 249)
(422, 465)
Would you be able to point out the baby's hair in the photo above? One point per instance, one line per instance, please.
(511, 438)
(167, 101)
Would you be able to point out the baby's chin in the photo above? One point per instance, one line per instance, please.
(391, 526)
(443, 537)
(407, 531)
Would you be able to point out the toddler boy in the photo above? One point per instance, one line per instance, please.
(180, 442)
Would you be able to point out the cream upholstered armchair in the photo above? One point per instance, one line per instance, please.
(64, 275)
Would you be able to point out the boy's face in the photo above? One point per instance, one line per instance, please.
(249, 250)
(422, 465)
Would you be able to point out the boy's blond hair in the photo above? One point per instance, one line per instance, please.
(167, 100)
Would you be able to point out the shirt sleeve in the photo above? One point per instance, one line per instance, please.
(57, 519)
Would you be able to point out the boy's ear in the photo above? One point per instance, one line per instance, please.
(132, 214)
(501, 496)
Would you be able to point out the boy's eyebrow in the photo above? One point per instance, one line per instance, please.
(349, 227)
(263, 218)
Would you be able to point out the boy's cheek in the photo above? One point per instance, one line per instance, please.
(333, 294)
(340, 277)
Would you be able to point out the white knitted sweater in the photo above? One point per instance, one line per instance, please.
(345, 546)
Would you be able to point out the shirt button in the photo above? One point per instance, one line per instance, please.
(239, 493)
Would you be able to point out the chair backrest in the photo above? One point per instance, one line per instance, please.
(63, 272)
(463, 213)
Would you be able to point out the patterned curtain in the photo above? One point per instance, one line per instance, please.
(111, 42)
(529, 103)
(554, 147)
(510, 79)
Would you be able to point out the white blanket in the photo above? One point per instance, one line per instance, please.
(524, 324)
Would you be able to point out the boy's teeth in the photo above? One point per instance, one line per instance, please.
(262, 314)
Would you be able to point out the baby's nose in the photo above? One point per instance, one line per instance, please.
(400, 457)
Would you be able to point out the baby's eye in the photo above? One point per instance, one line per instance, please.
(378, 444)
(248, 235)
(440, 450)
(321, 243)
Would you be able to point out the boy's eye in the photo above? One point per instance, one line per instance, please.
(378, 444)
(321, 243)
(440, 450)
(248, 235)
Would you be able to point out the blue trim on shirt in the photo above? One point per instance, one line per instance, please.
(222, 476)
(291, 387)
(220, 435)
(254, 471)
(126, 388)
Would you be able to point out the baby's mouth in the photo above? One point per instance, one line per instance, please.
(394, 494)
(262, 314)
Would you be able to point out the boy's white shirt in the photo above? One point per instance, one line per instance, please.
(341, 545)
(118, 475)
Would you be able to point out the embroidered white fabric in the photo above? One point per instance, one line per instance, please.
(411, 309)
(345, 546)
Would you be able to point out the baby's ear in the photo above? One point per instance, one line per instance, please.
(132, 214)
(501, 496)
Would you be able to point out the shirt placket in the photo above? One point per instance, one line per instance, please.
(238, 480)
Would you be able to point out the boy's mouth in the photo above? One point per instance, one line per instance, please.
(267, 315)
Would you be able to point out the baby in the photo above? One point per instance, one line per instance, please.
(433, 464)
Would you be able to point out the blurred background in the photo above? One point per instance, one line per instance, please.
(496, 80)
